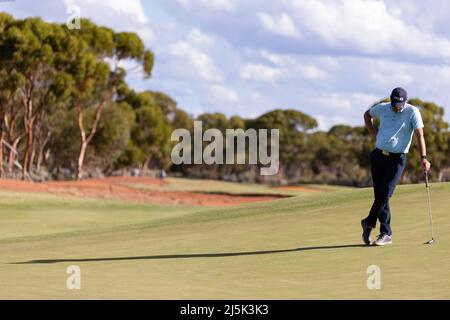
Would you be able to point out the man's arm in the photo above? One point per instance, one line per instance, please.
(369, 124)
(422, 148)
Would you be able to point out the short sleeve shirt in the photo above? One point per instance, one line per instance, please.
(396, 129)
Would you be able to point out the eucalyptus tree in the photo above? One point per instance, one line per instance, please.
(96, 68)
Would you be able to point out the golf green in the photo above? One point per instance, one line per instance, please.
(302, 247)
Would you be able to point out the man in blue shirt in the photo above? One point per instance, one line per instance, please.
(399, 121)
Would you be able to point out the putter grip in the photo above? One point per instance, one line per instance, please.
(426, 180)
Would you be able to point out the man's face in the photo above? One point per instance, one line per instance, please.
(398, 108)
(398, 102)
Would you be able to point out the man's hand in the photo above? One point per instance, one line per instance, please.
(426, 165)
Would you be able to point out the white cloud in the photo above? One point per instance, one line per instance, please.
(339, 120)
(322, 122)
(399, 76)
(364, 100)
(334, 101)
(366, 25)
(223, 94)
(331, 108)
(130, 8)
(312, 72)
(340, 102)
(272, 57)
(226, 5)
(197, 37)
(281, 24)
(120, 15)
(294, 67)
(341, 108)
(190, 61)
(259, 72)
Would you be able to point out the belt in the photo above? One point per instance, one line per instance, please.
(387, 153)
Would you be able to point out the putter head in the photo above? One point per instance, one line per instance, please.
(430, 241)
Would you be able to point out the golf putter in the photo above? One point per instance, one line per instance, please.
(427, 185)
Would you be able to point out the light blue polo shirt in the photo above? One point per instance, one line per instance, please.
(396, 129)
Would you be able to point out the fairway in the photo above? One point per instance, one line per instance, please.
(302, 247)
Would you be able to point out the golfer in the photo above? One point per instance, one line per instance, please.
(398, 122)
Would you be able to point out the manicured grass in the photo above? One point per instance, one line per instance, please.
(215, 186)
(44, 215)
(295, 248)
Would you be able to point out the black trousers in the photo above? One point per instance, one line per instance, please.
(386, 172)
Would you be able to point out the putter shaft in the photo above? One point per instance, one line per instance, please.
(427, 185)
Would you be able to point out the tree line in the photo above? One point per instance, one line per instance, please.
(67, 111)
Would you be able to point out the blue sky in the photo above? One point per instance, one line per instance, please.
(329, 58)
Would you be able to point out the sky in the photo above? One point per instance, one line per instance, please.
(331, 59)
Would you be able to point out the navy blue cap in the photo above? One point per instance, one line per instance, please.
(399, 97)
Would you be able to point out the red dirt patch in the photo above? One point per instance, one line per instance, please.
(116, 188)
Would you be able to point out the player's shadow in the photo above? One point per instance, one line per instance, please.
(192, 255)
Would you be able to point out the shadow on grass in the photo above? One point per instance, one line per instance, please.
(192, 255)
